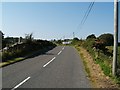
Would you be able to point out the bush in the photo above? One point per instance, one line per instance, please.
(21, 50)
(96, 48)
(107, 39)
(92, 36)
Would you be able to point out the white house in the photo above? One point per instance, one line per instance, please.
(66, 42)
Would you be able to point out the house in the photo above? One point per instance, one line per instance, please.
(66, 42)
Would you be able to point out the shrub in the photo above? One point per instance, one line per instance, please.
(21, 50)
(92, 36)
(107, 39)
(97, 49)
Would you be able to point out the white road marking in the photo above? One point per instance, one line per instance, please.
(21, 83)
(53, 58)
(59, 53)
(63, 48)
(49, 62)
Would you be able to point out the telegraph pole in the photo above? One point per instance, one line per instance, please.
(73, 35)
(63, 37)
(114, 68)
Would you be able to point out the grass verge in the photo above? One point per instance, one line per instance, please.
(84, 61)
(2, 64)
(95, 73)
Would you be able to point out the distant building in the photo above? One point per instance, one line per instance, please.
(66, 42)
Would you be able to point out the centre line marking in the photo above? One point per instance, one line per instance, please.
(21, 83)
(63, 48)
(49, 62)
(59, 53)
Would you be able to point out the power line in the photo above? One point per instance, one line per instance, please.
(86, 13)
(85, 16)
(91, 5)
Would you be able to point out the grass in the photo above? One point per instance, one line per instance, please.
(105, 61)
(11, 61)
(29, 55)
(119, 56)
(101, 58)
(86, 68)
(110, 48)
(84, 61)
(104, 64)
(119, 53)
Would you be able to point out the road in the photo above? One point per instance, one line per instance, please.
(60, 67)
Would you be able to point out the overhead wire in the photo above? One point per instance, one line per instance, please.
(80, 26)
(86, 15)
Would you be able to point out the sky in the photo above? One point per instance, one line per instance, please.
(56, 20)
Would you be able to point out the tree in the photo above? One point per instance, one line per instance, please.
(91, 36)
(107, 39)
(99, 44)
(118, 43)
(75, 39)
(59, 41)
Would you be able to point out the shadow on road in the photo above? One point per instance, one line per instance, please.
(40, 52)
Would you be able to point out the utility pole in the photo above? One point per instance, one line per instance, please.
(73, 35)
(19, 40)
(64, 37)
(114, 68)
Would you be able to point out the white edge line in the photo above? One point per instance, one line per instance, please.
(59, 53)
(21, 83)
(49, 62)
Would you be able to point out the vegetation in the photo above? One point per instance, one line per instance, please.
(58, 42)
(91, 36)
(110, 48)
(29, 46)
(9, 41)
(75, 41)
(101, 50)
(107, 39)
